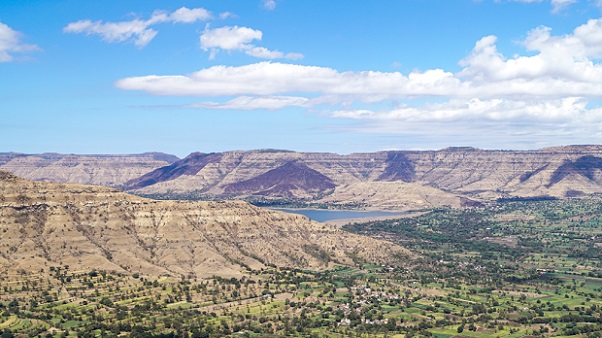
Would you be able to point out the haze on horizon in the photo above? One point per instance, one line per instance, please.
(183, 76)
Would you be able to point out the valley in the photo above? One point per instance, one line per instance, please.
(491, 249)
(510, 269)
(310, 169)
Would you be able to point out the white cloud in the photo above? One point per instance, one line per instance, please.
(226, 15)
(270, 5)
(270, 78)
(186, 15)
(254, 103)
(136, 30)
(239, 39)
(264, 53)
(551, 92)
(557, 5)
(554, 87)
(229, 38)
(10, 42)
(561, 66)
(557, 110)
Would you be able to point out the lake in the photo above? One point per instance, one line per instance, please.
(329, 215)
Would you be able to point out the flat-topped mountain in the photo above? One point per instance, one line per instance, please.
(88, 227)
(384, 180)
(388, 180)
(107, 170)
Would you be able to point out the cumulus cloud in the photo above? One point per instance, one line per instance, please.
(270, 78)
(226, 15)
(559, 5)
(186, 15)
(136, 30)
(239, 39)
(270, 5)
(557, 82)
(10, 42)
(561, 66)
(229, 38)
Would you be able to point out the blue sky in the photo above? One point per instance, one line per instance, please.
(329, 76)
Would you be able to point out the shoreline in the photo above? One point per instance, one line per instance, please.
(340, 222)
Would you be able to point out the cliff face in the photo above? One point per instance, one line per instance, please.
(86, 227)
(389, 180)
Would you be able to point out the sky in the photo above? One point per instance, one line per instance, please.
(124, 77)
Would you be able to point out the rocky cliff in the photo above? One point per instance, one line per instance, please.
(87, 227)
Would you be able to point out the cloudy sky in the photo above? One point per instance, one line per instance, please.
(113, 76)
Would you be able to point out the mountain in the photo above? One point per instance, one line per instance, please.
(290, 180)
(384, 180)
(106, 170)
(399, 180)
(89, 227)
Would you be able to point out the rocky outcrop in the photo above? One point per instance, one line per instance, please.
(87, 227)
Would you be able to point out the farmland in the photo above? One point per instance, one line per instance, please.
(509, 269)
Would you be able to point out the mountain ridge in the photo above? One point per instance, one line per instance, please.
(453, 176)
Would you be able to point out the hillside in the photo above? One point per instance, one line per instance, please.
(87, 227)
(399, 180)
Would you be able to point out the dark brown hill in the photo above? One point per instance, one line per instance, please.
(284, 182)
(399, 168)
(190, 165)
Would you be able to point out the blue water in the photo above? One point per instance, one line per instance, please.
(329, 215)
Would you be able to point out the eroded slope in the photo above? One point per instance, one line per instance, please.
(86, 227)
